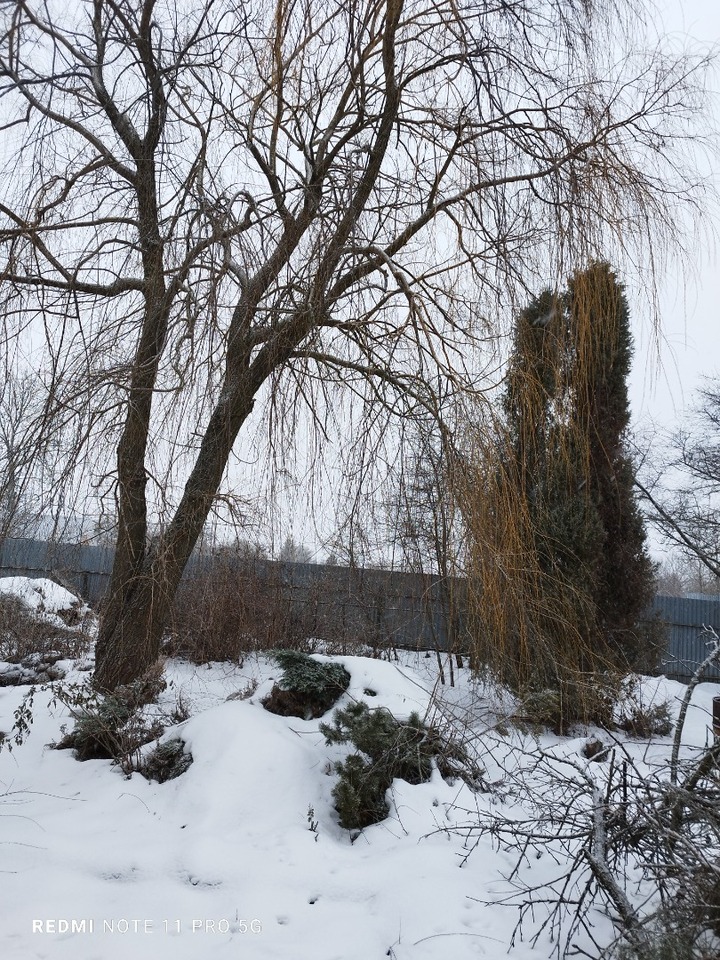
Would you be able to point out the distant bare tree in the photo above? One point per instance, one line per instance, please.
(684, 499)
(672, 580)
(679, 575)
(208, 204)
(30, 461)
(425, 527)
(294, 552)
(17, 448)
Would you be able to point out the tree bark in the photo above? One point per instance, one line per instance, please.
(133, 623)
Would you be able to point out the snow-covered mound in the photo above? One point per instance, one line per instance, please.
(44, 625)
(46, 598)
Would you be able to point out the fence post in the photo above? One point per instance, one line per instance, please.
(716, 717)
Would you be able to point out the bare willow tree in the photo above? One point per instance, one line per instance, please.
(205, 204)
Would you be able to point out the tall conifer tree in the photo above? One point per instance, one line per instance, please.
(624, 582)
(560, 569)
(546, 468)
(567, 413)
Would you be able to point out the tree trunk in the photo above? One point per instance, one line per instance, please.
(134, 620)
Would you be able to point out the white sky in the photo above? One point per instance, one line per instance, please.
(690, 304)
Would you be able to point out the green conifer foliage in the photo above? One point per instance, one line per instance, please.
(531, 389)
(624, 580)
(558, 544)
(308, 687)
(388, 749)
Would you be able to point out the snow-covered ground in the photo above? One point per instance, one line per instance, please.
(243, 856)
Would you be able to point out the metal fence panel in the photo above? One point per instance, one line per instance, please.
(376, 606)
(82, 568)
(407, 609)
(688, 645)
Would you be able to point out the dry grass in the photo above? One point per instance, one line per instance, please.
(23, 633)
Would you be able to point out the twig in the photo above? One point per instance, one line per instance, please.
(709, 661)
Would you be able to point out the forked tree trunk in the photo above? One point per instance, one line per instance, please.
(135, 616)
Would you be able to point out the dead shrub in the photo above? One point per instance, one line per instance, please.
(230, 609)
(239, 604)
(245, 692)
(586, 700)
(24, 633)
(113, 727)
(641, 715)
(646, 722)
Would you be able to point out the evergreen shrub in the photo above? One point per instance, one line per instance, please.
(307, 688)
(388, 749)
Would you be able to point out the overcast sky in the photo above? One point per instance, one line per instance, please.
(691, 310)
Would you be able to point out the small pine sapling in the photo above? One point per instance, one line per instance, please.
(388, 749)
(166, 762)
(307, 688)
